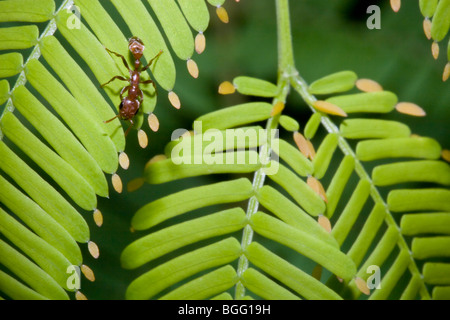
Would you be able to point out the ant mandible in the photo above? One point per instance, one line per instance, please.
(130, 104)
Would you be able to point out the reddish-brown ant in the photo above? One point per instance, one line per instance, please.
(130, 104)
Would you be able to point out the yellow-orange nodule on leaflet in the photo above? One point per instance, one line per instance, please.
(395, 5)
(124, 161)
(98, 217)
(88, 273)
(192, 68)
(143, 139)
(227, 87)
(445, 154)
(200, 43)
(368, 85)
(302, 144)
(435, 50)
(222, 14)
(362, 286)
(446, 73)
(116, 182)
(153, 122)
(312, 151)
(427, 28)
(329, 108)
(324, 222)
(174, 100)
(411, 109)
(80, 296)
(315, 184)
(277, 108)
(135, 184)
(93, 249)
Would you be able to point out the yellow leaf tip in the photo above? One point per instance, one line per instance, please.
(116, 182)
(368, 85)
(200, 43)
(153, 122)
(142, 139)
(395, 5)
(329, 108)
(124, 161)
(88, 273)
(362, 286)
(174, 100)
(222, 14)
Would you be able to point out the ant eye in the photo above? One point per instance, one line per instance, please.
(121, 105)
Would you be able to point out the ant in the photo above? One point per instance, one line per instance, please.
(129, 105)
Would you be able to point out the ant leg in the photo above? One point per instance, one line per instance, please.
(120, 56)
(151, 61)
(150, 81)
(114, 78)
(110, 119)
(122, 91)
(129, 128)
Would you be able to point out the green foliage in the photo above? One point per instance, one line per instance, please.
(231, 213)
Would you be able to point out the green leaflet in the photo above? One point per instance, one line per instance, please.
(215, 141)
(413, 287)
(404, 200)
(191, 199)
(367, 234)
(334, 83)
(44, 194)
(60, 138)
(338, 183)
(4, 91)
(175, 27)
(306, 197)
(430, 247)
(294, 158)
(196, 13)
(201, 164)
(425, 148)
(235, 116)
(312, 125)
(351, 211)
(10, 64)
(36, 11)
(441, 20)
(64, 174)
(265, 287)
(30, 273)
(22, 37)
(328, 256)
(428, 7)
(324, 154)
(422, 223)
(87, 127)
(291, 214)
(372, 102)
(205, 286)
(82, 88)
(42, 253)
(289, 123)
(139, 19)
(373, 129)
(392, 277)
(288, 274)
(154, 281)
(39, 221)
(171, 238)
(412, 171)
(216, 3)
(255, 87)
(441, 293)
(17, 290)
(377, 257)
(437, 273)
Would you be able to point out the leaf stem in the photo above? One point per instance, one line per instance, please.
(285, 67)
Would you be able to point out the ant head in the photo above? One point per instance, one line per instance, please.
(136, 47)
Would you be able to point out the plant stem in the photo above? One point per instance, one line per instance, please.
(285, 67)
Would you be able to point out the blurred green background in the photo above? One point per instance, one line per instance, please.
(328, 36)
